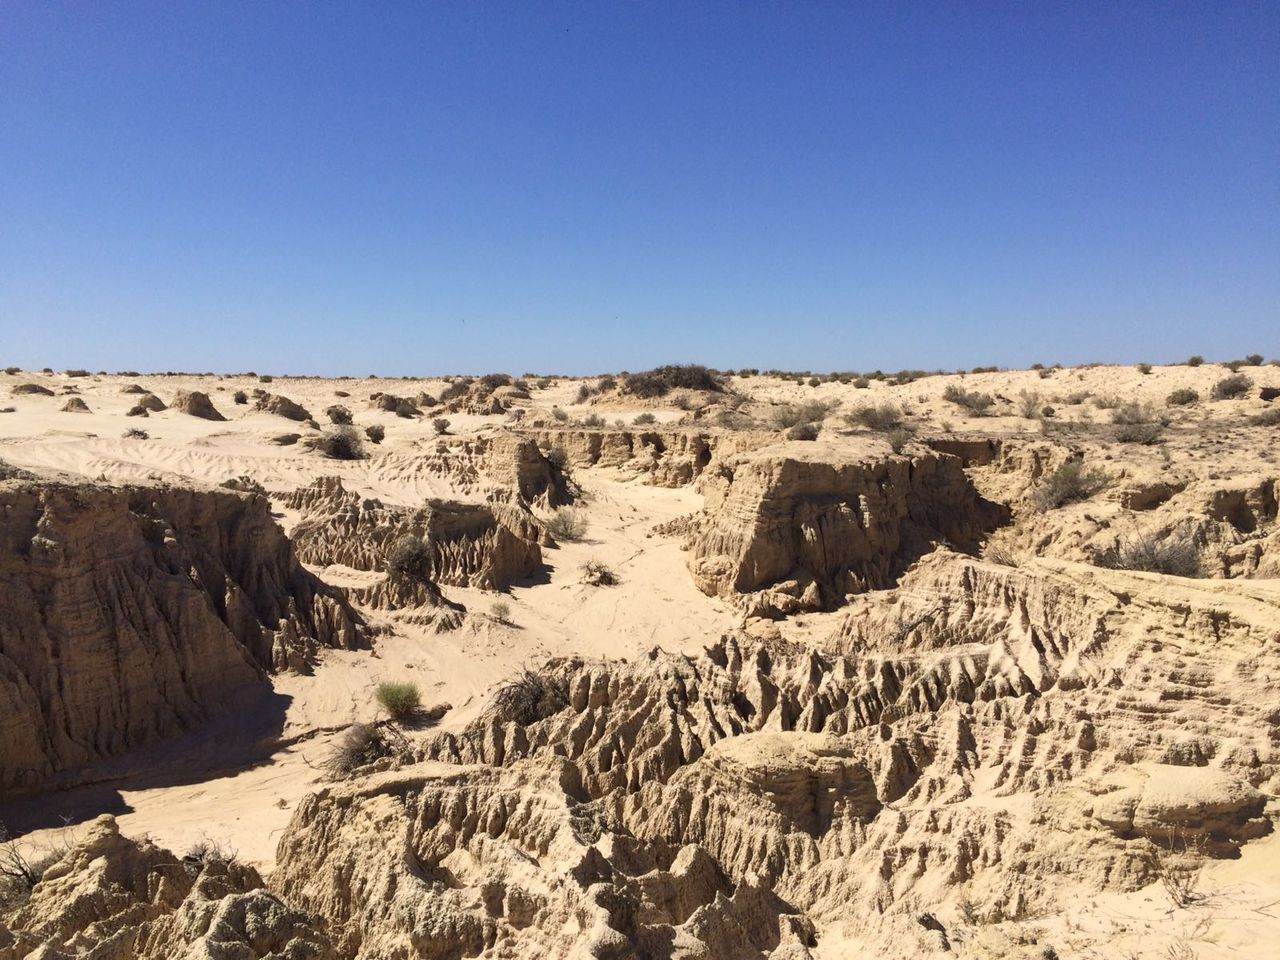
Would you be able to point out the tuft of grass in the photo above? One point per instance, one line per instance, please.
(401, 700)
(1071, 482)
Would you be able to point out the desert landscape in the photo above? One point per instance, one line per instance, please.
(684, 663)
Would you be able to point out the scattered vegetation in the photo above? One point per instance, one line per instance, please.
(77, 373)
(1137, 423)
(401, 700)
(596, 573)
(204, 852)
(441, 425)
(240, 397)
(1267, 418)
(1233, 386)
(660, 381)
(20, 871)
(567, 524)
(133, 433)
(1071, 482)
(1178, 868)
(594, 420)
(793, 415)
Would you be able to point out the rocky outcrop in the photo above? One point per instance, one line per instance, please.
(196, 404)
(485, 545)
(803, 525)
(668, 456)
(281, 406)
(112, 897)
(984, 745)
(75, 405)
(498, 460)
(133, 613)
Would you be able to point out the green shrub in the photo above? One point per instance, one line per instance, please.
(1195, 360)
(861, 383)
(1142, 433)
(1070, 482)
(401, 700)
(1254, 359)
(1234, 365)
(1233, 386)
(77, 373)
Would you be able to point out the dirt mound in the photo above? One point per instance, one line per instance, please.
(29, 389)
(800, 526)
(134, 613)
(281, 406)
(112, 897)
(196, 404)
(75, 405)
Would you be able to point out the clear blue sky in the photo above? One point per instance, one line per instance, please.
(426, 187)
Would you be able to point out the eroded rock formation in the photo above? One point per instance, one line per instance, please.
(803, 525)
(132, 613)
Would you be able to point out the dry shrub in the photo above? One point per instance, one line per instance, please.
(567, 524)
(530, 697)
(978, 404)
(204, 852)
(597, 573)
(1071, 482)
(338, 443)
(376, 432)
(1267, 418)
(882, 417)
(360, 745)
(899, 437)
(660, 381)
(793, 415)
(409, 561)
(500, 610)
(1176, 554)
(1183, 396)
(1029, 404)
(644, 419)
(1233, 386)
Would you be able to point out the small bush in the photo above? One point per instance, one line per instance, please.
(596, 573)
(1195, 360)
(1029, 404)
(500, 610)
(1182, 397)
(441, 425)
(401, 700)
(12, 370)
(240, 397)
(338, 414)
(1254, 360)
(792, 415)
(360, 745)
(530, 697)
(880, 418)
(265, 378)
(133, 433)
(567, 524)
(1176, 555)
(204, 852)
(1142, 433)
(605, 384)
(861, 383)
(1107, 401)
(803, 431)
(558, 457)
(1144, 368)
(1234, 365)
(1134, 412)
(584, 393)
(644, 419)
(341, 393)
(593, 420)
(338, 443)
(1267, 418)
(978, 404)
(899, 437)
(409, 560)
(77, 373)
(1070, 482)
(1233, 386)
(376, 432)
(560, 416)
